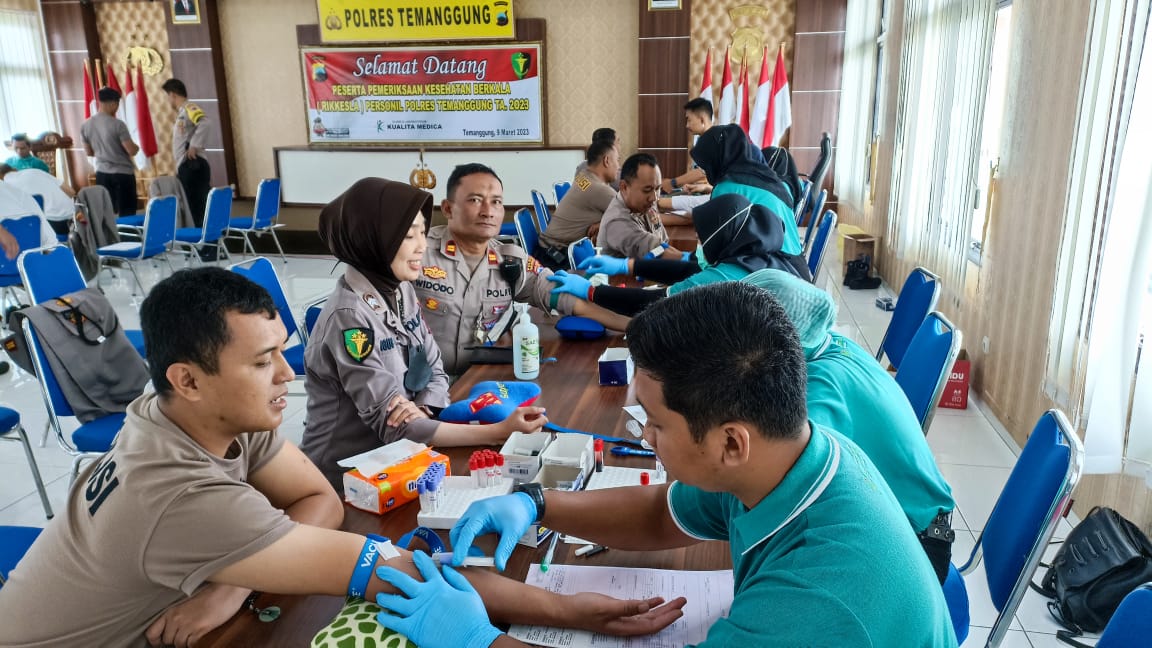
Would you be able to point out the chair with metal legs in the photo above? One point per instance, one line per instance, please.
(12, 430)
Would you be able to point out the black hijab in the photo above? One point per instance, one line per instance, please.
(365, 225)
(726, 153)
(734, 230)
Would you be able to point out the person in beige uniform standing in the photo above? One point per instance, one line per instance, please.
(469, 280)
(579, 212)
(190, 133)
(631, 227)
(374, 370)
(200, 502)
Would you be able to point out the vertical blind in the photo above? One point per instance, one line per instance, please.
(25, 98)
(944, 62)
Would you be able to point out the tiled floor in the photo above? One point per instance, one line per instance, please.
(973, 451)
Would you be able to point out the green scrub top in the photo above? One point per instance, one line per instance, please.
(710, 274)
(768, 199)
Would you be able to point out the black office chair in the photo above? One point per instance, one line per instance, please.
(821, 168)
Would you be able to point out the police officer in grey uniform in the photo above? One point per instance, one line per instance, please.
(469, 280)
(631, 228)
(374, 370)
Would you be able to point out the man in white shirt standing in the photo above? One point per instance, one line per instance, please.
(59, 206)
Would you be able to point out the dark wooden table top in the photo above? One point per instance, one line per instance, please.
(574, 399)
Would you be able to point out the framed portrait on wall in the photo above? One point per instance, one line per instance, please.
(662, 5)
(186, 12)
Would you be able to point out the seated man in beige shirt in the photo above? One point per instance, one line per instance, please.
(579, 213)
(631, 227)
(200, 502)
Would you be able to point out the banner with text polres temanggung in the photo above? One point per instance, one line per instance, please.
(469, 94)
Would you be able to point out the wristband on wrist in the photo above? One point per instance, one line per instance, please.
(675, 185)
(553, 300)
(591, 290)
(358, 585)
(535, 492)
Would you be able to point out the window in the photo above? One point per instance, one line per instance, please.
(25, 93)
(990, 136)
(861, 86)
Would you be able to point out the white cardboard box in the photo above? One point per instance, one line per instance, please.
(570, 450)
(522, 455)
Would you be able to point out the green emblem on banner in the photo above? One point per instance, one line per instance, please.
(521, 61)
(358, 343)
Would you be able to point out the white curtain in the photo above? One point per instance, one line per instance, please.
(1119, 307)
(944, 62)
(25, 94)
(857, 97)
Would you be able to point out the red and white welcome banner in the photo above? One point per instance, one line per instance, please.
(425, 95)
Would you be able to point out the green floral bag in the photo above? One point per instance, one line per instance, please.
(356, 627)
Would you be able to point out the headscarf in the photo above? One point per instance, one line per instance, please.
(733, 230)
(783, 165)
(812, 310)
(726, 153)
(365, 225)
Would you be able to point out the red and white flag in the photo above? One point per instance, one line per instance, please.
(780, 107)
(147, 135)
(706, 84)
(89, 93)
(760, 108)
(727, 112)
(742, 97)
(128, 106)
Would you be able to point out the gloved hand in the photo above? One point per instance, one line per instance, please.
(508, 515)
(601, 264)
(572, 284)
(440, 612)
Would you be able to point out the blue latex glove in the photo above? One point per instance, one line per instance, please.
(572, 284)
(601, 264)
(508, 515)
(440, 612)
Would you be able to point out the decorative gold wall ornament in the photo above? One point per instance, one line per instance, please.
(422, 177)
(748, 38)
(148, 58)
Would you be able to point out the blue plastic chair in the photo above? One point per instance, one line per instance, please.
(561, 189)
(802, 202)
(543, 216)
(263, 219)
(820, 243)
(12, 430)
(526, 229)
(89, 440)
(312, 312)
(1036, 496)
(917, 298)
(216, 216)
(158, 236)
(1131, 624)
(927, 364)
(51, 272)
(580, 250)
(260, 271)
(26, 231)
(14, 543)
(817, 208)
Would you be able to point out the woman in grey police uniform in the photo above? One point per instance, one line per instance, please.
(374, 373)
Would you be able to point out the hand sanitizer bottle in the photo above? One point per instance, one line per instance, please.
(526, 343)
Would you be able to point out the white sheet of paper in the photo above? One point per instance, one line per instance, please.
(709, 595)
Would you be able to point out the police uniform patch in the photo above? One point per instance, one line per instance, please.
(435, 272)
(195, 114)
(492, 258)
(534, 266)
(372, 302)
(583, 183)
(450, 248)
(358, 342)
(431, 304)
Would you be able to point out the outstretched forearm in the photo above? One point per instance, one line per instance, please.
(635, 518)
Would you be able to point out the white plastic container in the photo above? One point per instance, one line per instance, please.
(526, 345)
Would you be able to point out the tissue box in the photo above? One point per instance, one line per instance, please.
(556, 477)
(386, 487)
(522, 455)
(616, 367)
(573, 450)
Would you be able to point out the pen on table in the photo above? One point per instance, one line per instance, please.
(590, 550)
(625, 451)
(551, 552)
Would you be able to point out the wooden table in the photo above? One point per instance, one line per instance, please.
(574, 399)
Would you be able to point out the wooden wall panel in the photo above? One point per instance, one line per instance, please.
(657, 76)
(821, 15)
(672, 161)
(819, 61)
(70, 26)
(665, 23)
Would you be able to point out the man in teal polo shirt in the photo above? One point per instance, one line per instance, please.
(850, 392)
(822, 554)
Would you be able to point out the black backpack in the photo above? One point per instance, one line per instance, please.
(1103, 559)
